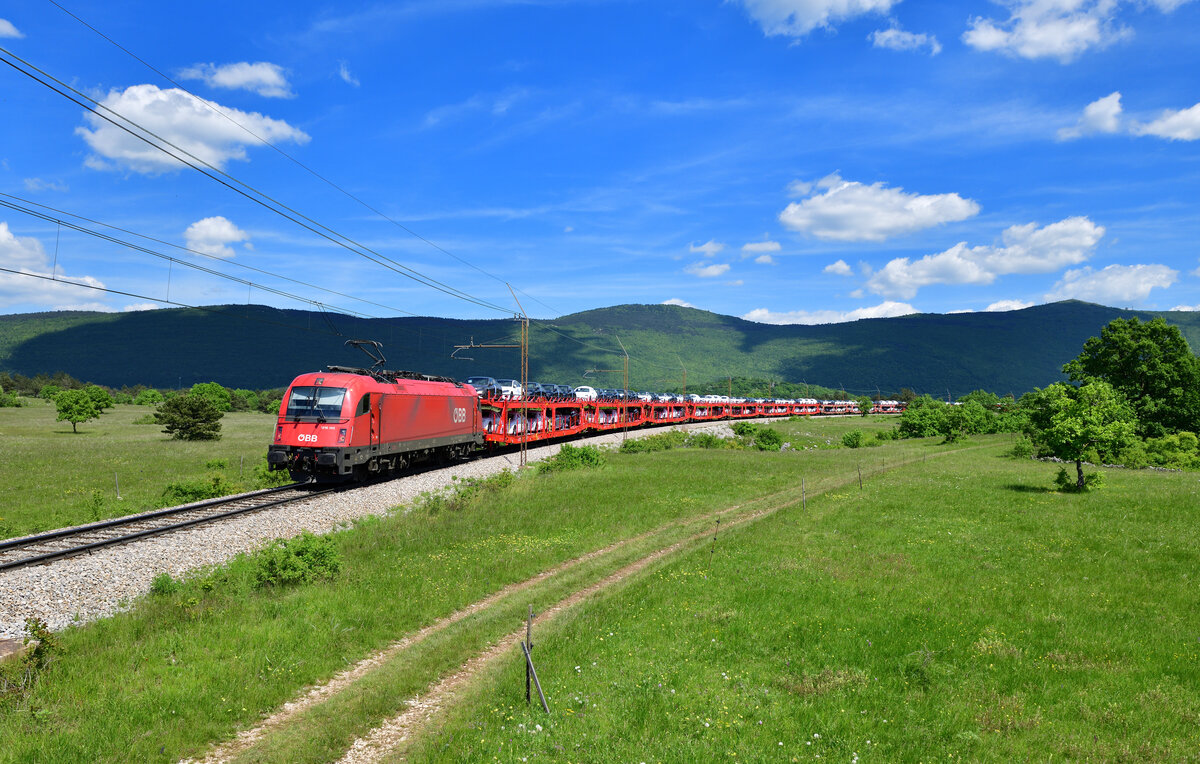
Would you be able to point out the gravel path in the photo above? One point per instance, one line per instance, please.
(84, 588)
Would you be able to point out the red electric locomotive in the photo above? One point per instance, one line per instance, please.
(351, 423)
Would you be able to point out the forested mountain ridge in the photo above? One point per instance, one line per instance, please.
(259, 347)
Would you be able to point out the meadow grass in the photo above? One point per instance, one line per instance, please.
(954, 609)
(181, 670)
(55, 478)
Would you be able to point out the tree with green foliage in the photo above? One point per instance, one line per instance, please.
(922, 418)
(9, 400)
(865, 403)
(214, 393)
(1073, 422)
(75, 406)
(190, 417)
(957, 422)
(148, 397)
(243, 400)
(99, 396)
(1151, 365)
(49, 392)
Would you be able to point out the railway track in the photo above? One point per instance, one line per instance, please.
(56, 545)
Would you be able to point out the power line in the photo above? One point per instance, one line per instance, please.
(186, 249)
(168, 258)
(232, 183)
(288, 156)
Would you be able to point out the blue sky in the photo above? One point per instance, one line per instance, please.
(781, 160)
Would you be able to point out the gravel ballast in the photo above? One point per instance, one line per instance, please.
(88, 587)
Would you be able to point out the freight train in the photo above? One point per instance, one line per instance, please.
(356, 423)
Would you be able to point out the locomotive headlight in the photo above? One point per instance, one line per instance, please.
(342, 435)
(279, 433)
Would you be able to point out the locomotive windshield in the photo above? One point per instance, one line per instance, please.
(319, 402)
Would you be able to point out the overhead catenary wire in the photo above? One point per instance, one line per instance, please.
(164, 243)
(219, 176)
(332, 184)
(145, 250)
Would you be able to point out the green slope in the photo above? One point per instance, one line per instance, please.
(257, 347)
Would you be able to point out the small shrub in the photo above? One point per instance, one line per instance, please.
(262, 476)
(571, 458)
(854, 439)
(187, 491)
(300, 560)
(146, 419)
(148, 397)
(706, 440)
(163, 585)
(663, 441)
(768, 439)
(17, 677)
(95, 506)
(744, 429)
(1022, 449)
(216, 464)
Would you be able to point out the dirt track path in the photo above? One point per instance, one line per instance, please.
(396, 731)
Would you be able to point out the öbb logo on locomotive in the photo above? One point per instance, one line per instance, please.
(353, 424)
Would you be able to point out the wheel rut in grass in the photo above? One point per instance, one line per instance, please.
(422, 708)
(320, 693)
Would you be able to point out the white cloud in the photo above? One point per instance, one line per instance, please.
(212, 236)
(1100, 116)
(898, 39)
(707, 271)
(26, 255)
(37, 184)
(796, 18)
(8, 30)
(679, 302)
(857, 294)
(261, 77)
(1113, 284)
(757, 247)
(1003, 305)
(1026, 249)
(735, 282)
(1061, 29)
(840, 268)
(798, 188)
(708, 248)
(885, 309)
(851, 211)
(1182, 125)
(347, 77)
(1186, 307)
(185, 121)
(140, 306)
(764, 260)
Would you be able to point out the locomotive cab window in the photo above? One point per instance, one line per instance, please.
(364, 405)
(315, 402)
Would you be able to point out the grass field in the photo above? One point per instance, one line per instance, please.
(54, 478)
(952, 608)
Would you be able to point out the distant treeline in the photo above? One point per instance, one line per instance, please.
(46, 386)
(757, 387)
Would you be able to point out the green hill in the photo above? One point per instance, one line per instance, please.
(258, 347)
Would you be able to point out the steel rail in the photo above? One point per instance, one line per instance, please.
(16, 544)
